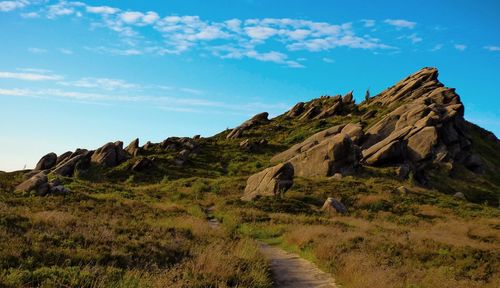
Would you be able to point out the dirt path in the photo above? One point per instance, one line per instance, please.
(289, 270)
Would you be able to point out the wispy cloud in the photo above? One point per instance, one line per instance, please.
(328, 60)
(101, 83)
(436, 47)
(29, 76)
(492, 48)
(248, 38)
(6, 6)
(400, 23)
(460, 47)
(36, 50)
(66, 51)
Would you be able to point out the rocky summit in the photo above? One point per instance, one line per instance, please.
(415, 128)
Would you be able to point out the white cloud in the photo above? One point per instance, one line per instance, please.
(368, 23)
(460, 47)
(131, 17)
(66, 51)
(29, 76)
(7, 6)
(492, 48)
(30, 15)
(64, 8)
(260, 33)
(101, 83)
(414, 38)
(436, 47)
(328, 60)
(36, 50)
(400, 23)
(102, 9)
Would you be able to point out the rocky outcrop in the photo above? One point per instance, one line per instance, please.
(273, 181)
(255, 120)
(68, 166)
(336, 154)
(425, 125)
(133, 147)
(141, 164)
(37, 183)
(110, 155)
(323, 107)
(47, 162)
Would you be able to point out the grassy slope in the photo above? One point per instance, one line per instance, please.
(136, 229)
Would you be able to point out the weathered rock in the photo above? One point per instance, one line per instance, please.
(424, 125)
(109, 155)
(47, 162)
(296, 110)
(37, 183)
(273, 181)
(420, 145)
(196, 137)
(306, 144)
(63, 157)
(248, 145)
(354, 130)
(459, 195)
(348, 98)
(141, 164)
(182, 157)
(133, 147)
(335, 154)
(334, 205)
(67, 168)
(255, 120)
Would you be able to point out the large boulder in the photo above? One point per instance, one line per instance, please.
(306, 144)
(68, 166)
(141, 164)
(273, 181)
(109, 155)
(37, 183)
(424, 126)
(133, 147)
(47, 162)
(336, 154)
(258, 119)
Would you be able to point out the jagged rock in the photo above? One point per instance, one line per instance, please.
(133, 147)
(255, 120)
(148, 145)
(335, 154)
(142, 164)
(37, 183)
(334, 205)
(425, 125)
(109, 155)
(63, 157)
(47, 162)
(296, 110)
(67, 167)
(247, 145)
(369, 114)
(421, 143)
(196, 137)
(354, 130)
(273, 181)
(306, 144)
(348, 98)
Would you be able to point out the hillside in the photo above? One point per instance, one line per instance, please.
(396, 191)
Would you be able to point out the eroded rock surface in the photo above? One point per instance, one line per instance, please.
(272, 181)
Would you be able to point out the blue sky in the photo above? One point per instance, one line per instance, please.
(80, 74)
